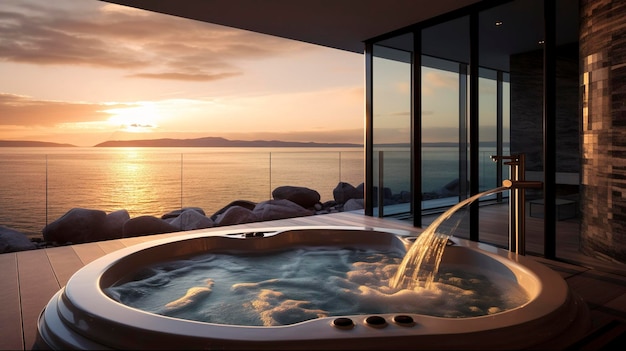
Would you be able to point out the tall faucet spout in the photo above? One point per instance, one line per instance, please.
(517, 199)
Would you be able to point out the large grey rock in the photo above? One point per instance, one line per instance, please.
(345, 191)
(240, 203)
(145, 225)
(12, 241)
(354, 204)
(114, 225)
(191, 219)
(236, 215)
(279, 209)
(302, 196)
(361, 190)
(176, 213)
(78, 225)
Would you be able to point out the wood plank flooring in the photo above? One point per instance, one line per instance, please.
(10, 305)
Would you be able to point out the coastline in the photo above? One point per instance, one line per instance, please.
(82, 225)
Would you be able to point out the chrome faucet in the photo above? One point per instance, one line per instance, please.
(517, 200)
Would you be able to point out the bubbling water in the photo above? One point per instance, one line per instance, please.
(288, 287)
(421, 263)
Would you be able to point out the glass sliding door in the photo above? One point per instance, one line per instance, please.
(444, 115)
(517, 59)
(488, 82)
(506, 122)
(391, 125)
(568, 129)
(488, 129)
(443, 153)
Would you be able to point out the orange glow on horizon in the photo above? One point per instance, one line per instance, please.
(138, 119)
(124, 78)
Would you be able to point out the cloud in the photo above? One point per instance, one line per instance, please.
(17, 110)
(148, 45)
(199, 77)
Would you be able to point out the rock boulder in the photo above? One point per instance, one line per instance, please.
(279, 209)
(345, 191)
(145, 225)
(235, 215)
(114, 225)
(12, 241)
(78, 225)
(302, 196)
(240, 203)
(176, 213)
(191, 219)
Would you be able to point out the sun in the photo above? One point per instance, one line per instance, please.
(139, 118)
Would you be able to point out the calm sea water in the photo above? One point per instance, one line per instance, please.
(38, 185)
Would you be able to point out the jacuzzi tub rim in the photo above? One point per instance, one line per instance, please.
(558, 293)
(84, 293)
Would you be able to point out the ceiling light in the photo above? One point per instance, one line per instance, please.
(541, 42)
(498, 23)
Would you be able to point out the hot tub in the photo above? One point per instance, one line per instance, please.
(82, 316)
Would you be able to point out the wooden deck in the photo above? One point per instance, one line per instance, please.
(31, 278)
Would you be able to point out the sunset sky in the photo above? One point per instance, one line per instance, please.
(84, 71)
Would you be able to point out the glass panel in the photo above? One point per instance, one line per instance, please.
(23, 190)
(568, 162)
(41, 184)
(321, 171)
(111, 179)
(214, 177)
(444, 95)
(488, 133)
(440, 133)
(392, 130)
(519, 53)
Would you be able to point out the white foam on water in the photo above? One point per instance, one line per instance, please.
(297, 285)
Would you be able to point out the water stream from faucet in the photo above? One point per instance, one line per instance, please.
(421, 263)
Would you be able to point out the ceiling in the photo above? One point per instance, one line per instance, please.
(346, 24)
(339, 24)
(520, 30)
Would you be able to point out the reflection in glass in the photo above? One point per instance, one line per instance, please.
(392, 130)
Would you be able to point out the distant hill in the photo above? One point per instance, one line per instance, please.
(26, 143)
(216, 142)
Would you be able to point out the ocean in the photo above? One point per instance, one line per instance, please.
(39, 185)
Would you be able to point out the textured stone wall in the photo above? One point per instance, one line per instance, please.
(603, 91)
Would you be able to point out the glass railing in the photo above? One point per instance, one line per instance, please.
(40, 185)
(440, 178)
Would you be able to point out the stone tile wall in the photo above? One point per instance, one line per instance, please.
(603, 92)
